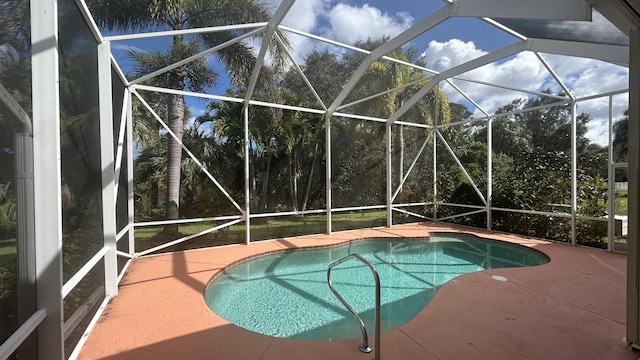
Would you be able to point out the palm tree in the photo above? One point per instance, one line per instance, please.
(384, 75)
(150, 15)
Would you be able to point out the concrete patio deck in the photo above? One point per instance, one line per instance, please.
(571, 308)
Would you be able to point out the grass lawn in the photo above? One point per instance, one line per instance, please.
(7, 252)
(622, 201)
(7, 286)
(261, 229)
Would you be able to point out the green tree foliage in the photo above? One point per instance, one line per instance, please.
(178, 15)
(531, 149)
(397, 83)
(531, 169)
(621, 138)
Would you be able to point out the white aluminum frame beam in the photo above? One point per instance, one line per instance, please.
(155, 34)
(83, 271)
(47, 176)
(524, 9)
(505, 87)
(247, 170)
(266, 104)
(598, 96)
(287, 213)
(389, 170)
(196, 56)
(328, 169)
(618, 13)
(186, 221)
(353, 48)
(188, 237)
(633, 246)
(130, 185)
(410, 213)
(469, 99)
(489, 201)
(413, 163)
(118, 70)
(615, 54)
(411, 33)
(185, 149)
(9, 346)
(574, 172)
(371, 97)
(270, 29)
(459, 163)
(555, 76)
(504, 28)
(611, 175)
(88, 18)
(559, 10)
(298, 70)
(121, 146)
(460, 69)
(108, 166)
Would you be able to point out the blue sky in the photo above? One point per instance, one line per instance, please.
(458, 40)
(453, 42)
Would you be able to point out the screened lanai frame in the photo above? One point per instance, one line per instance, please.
(46, 98)
(327, 111)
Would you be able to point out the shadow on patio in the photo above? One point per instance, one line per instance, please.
(571, 308)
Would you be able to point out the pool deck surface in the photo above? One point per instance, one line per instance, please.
(570, 308)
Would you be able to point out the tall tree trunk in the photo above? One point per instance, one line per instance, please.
(175, 110)
(293, 180)
(253, 191)
(398, 144)
(265, 182)
(310, 179)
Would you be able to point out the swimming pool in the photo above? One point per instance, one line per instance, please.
(286, 294)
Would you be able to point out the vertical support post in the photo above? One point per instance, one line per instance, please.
(328, 170)
(47, 175)
(130, 185)
(389, 182)
(435, 175)
(574, 172)
(489, 170)
(108, 170)
(247, 180)
(435, 161)
(633, 250)
(25, 219)
(611, 182)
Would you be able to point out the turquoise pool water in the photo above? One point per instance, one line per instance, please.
(286, 294)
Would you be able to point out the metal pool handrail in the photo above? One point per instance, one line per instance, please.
(364, 347)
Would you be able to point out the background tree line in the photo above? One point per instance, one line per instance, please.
(531, 152)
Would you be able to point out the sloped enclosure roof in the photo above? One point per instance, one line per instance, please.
(559, 27)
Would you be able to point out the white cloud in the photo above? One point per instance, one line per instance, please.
(350, 24)
(598, 108)
(583, 77)
(587, 77)
(522, 71)
(304, 16)
(124, 47)
(341, 22)
(445, 55)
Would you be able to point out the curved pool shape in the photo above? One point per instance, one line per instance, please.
(286, 294)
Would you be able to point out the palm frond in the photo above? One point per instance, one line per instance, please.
(124, 15)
